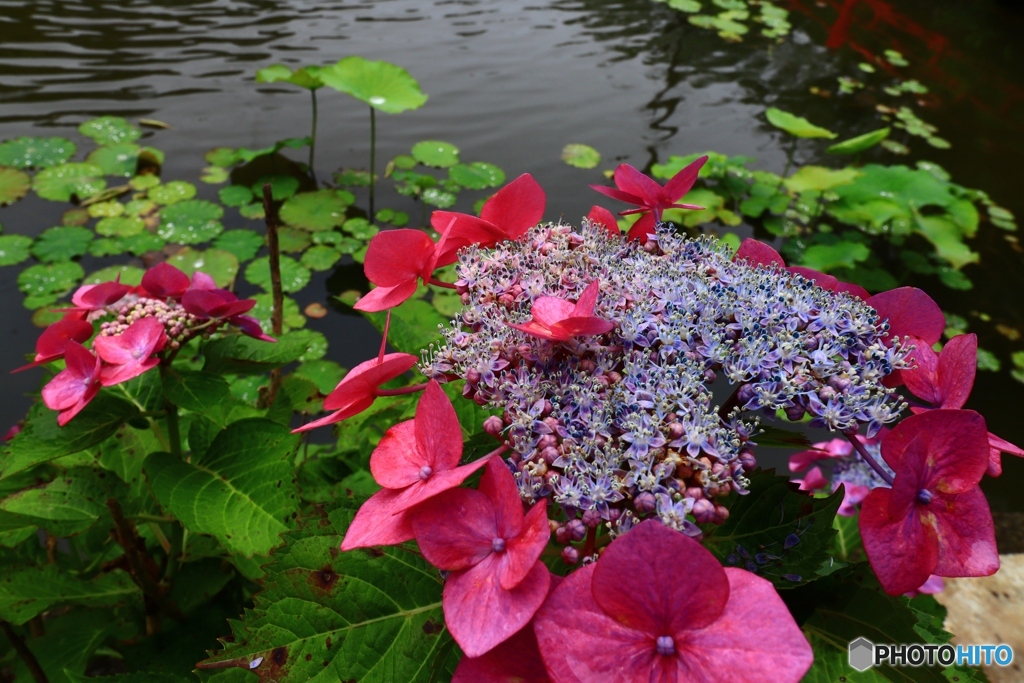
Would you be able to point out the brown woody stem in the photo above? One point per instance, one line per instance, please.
(38, 675)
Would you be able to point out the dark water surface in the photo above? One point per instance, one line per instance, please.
(511, 83)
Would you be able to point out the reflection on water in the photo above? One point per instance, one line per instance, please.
(511, 83)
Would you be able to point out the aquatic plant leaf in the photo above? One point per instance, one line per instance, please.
(61, 244)
(478, 175)
(119, 158)
(281, 186)
(14, 249)
(14, 184)
(50, 278)
(820, 178)
(352, 177)
(224, 157)
(947, 238)
(381, 85)
(190, 222)
(144, 182)
(241, 490)
(581, 156)
(215, 175)
(75, 217)
(254, 211)
(315, 211)
(244, 244)
(172, 192)
(105, 209)
(859, 143)
(108, 130)
(796, 125)
(436, 153)
(291, 317)
(307, 77)
(290, 240)
(61, 183)
(320, 257)
(360, 228)
(120, 226)
(221, 265)
(33, 152)
(325, 374)
(129, 275)
(346, 616)
(235, 195)
(435, 196)
(294, 276)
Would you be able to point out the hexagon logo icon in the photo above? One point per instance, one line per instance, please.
(862, 654)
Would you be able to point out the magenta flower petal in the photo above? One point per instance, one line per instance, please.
(535, 329)
(480, 614)
(397, 256)
(72, 388)
(525, 548)
(516, 208)
(396, 462)
(99, 296)
(250, 327)
(131, 353)
(754, 635)
(516, 660)
(557, 319)
(853, 290)
(383, 298)
(633, 182)
(499, 486)
(435, 484)
(683, 181)
(758, 254)
(643, 228)
(585, 305)
(460, 230)
(375, 523)
(618, 194)
(54, 340)
(438, 433)
(944, 450)
(910, 312)
(631, 581)
(164, 281)
(548, 310)
(577, 327)
(998, 446)
(201, 280)
(968, 536)
(604, 217)
(922, 379)
(903, 552)
(455, 530)
(957, 366)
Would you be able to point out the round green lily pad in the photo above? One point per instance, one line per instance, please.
(49, 278)
(75, 217)
(14, 185)
(294, 276)
(215, 175)
(281, 186)
(360, 228)
(435, 196)
(116, 159)
(315, 211)
(290, 240)
(61, 183)
(130, 275)
(235, 195)
(478, 175)
(120, 226)
(244, 244)
(143, 242)
(436, 153)
(105, 209)
(190, 222)
(222, 156)
(382, 85)
(107, 246)
(352, 177)
(33, 152)
(291, 315)
(14, 249)
(404, 162)
(107, 130)
(253, 212)
(221, 265)
(139, 207)
(62, 244)
(172, 192)
(144, 182)
(581, 156)
(320, 257)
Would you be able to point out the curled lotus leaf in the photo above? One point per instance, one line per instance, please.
(581, 156)
(382, 85)
(435, 153)
(14, 184)
(478, 175)
(119, 158)
(796, 125)
(61, 183)
(33, 152)
(107, 130)
(316, 211)
(191, 222)
(62, 243)
(172, 192)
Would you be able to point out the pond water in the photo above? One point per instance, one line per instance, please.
(511, 83)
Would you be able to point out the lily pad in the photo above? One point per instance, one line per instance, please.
(859, 143)
(116, 159)
(291, 315)
(140, 207)
(294, 276)
(581, 156)
(215, 175)
(244, 244)
(435, 196)
(14, 249)
(50, 278)
(105, 209)
(107, 246)
(290, 240)
(14, 185)
(62, 244)
(235, 195)
(320, 257)
(191, 222)
(796, 125)
(120, 226)
(305, 77)
(436, 153)
(820, 178)
(360, 228)
(254, 211)
(281, 186)
(61, 183)
(478, 175)
(144, 182)
(353, 177)
(107, 130)
(172, 192)
(75, 217)
(128, 275)
(143, 242)
(33, 152)
(315, 211)
(404, 162)
(224, 157)
(221, 265)
(382, 85)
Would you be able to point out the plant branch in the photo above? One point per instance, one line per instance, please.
(277, 314)
(438, 283)
(38, 675)
(868, 458)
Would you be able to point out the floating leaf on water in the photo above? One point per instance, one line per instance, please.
(947, 238)
(988, 361)
(860, 143)
(144, 182)
(215, 175)
(153, 123)
(436, 153)
(172, 192)
(381, 85)
(796, 125)
(235, 195)
(292, 316)
(866, 68)
(581, 156)
(305, 77)
(294, 276)
(75, 217)
(478, 175)
(129, 275)
(290, 240)
(404, 162)
(107, 130)
(353, 177)
(191, 222)
(107, 246)
(281, 186)
(62, 244)
(273, 73)
(895, 58)
(50, 278)
(143, 242)
(151, 156)
(14, 184)
(106, 195)
(937, 142)
(61, 183)
(254, 211)
(222, 156)
(315, 211)
(244, 244)
(105, 209)
(118, 159)
(934, 169)
(14, 249)
(320, 257)
(820, 178)
(221, 265)
(360, 228)
(895, 147)
(434, 196)
(140, 207)
(120, 226)
(689, 6)
(33, 152)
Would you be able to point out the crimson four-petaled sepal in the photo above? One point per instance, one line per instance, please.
(72, 388)
(557, 319)
(132, 352)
